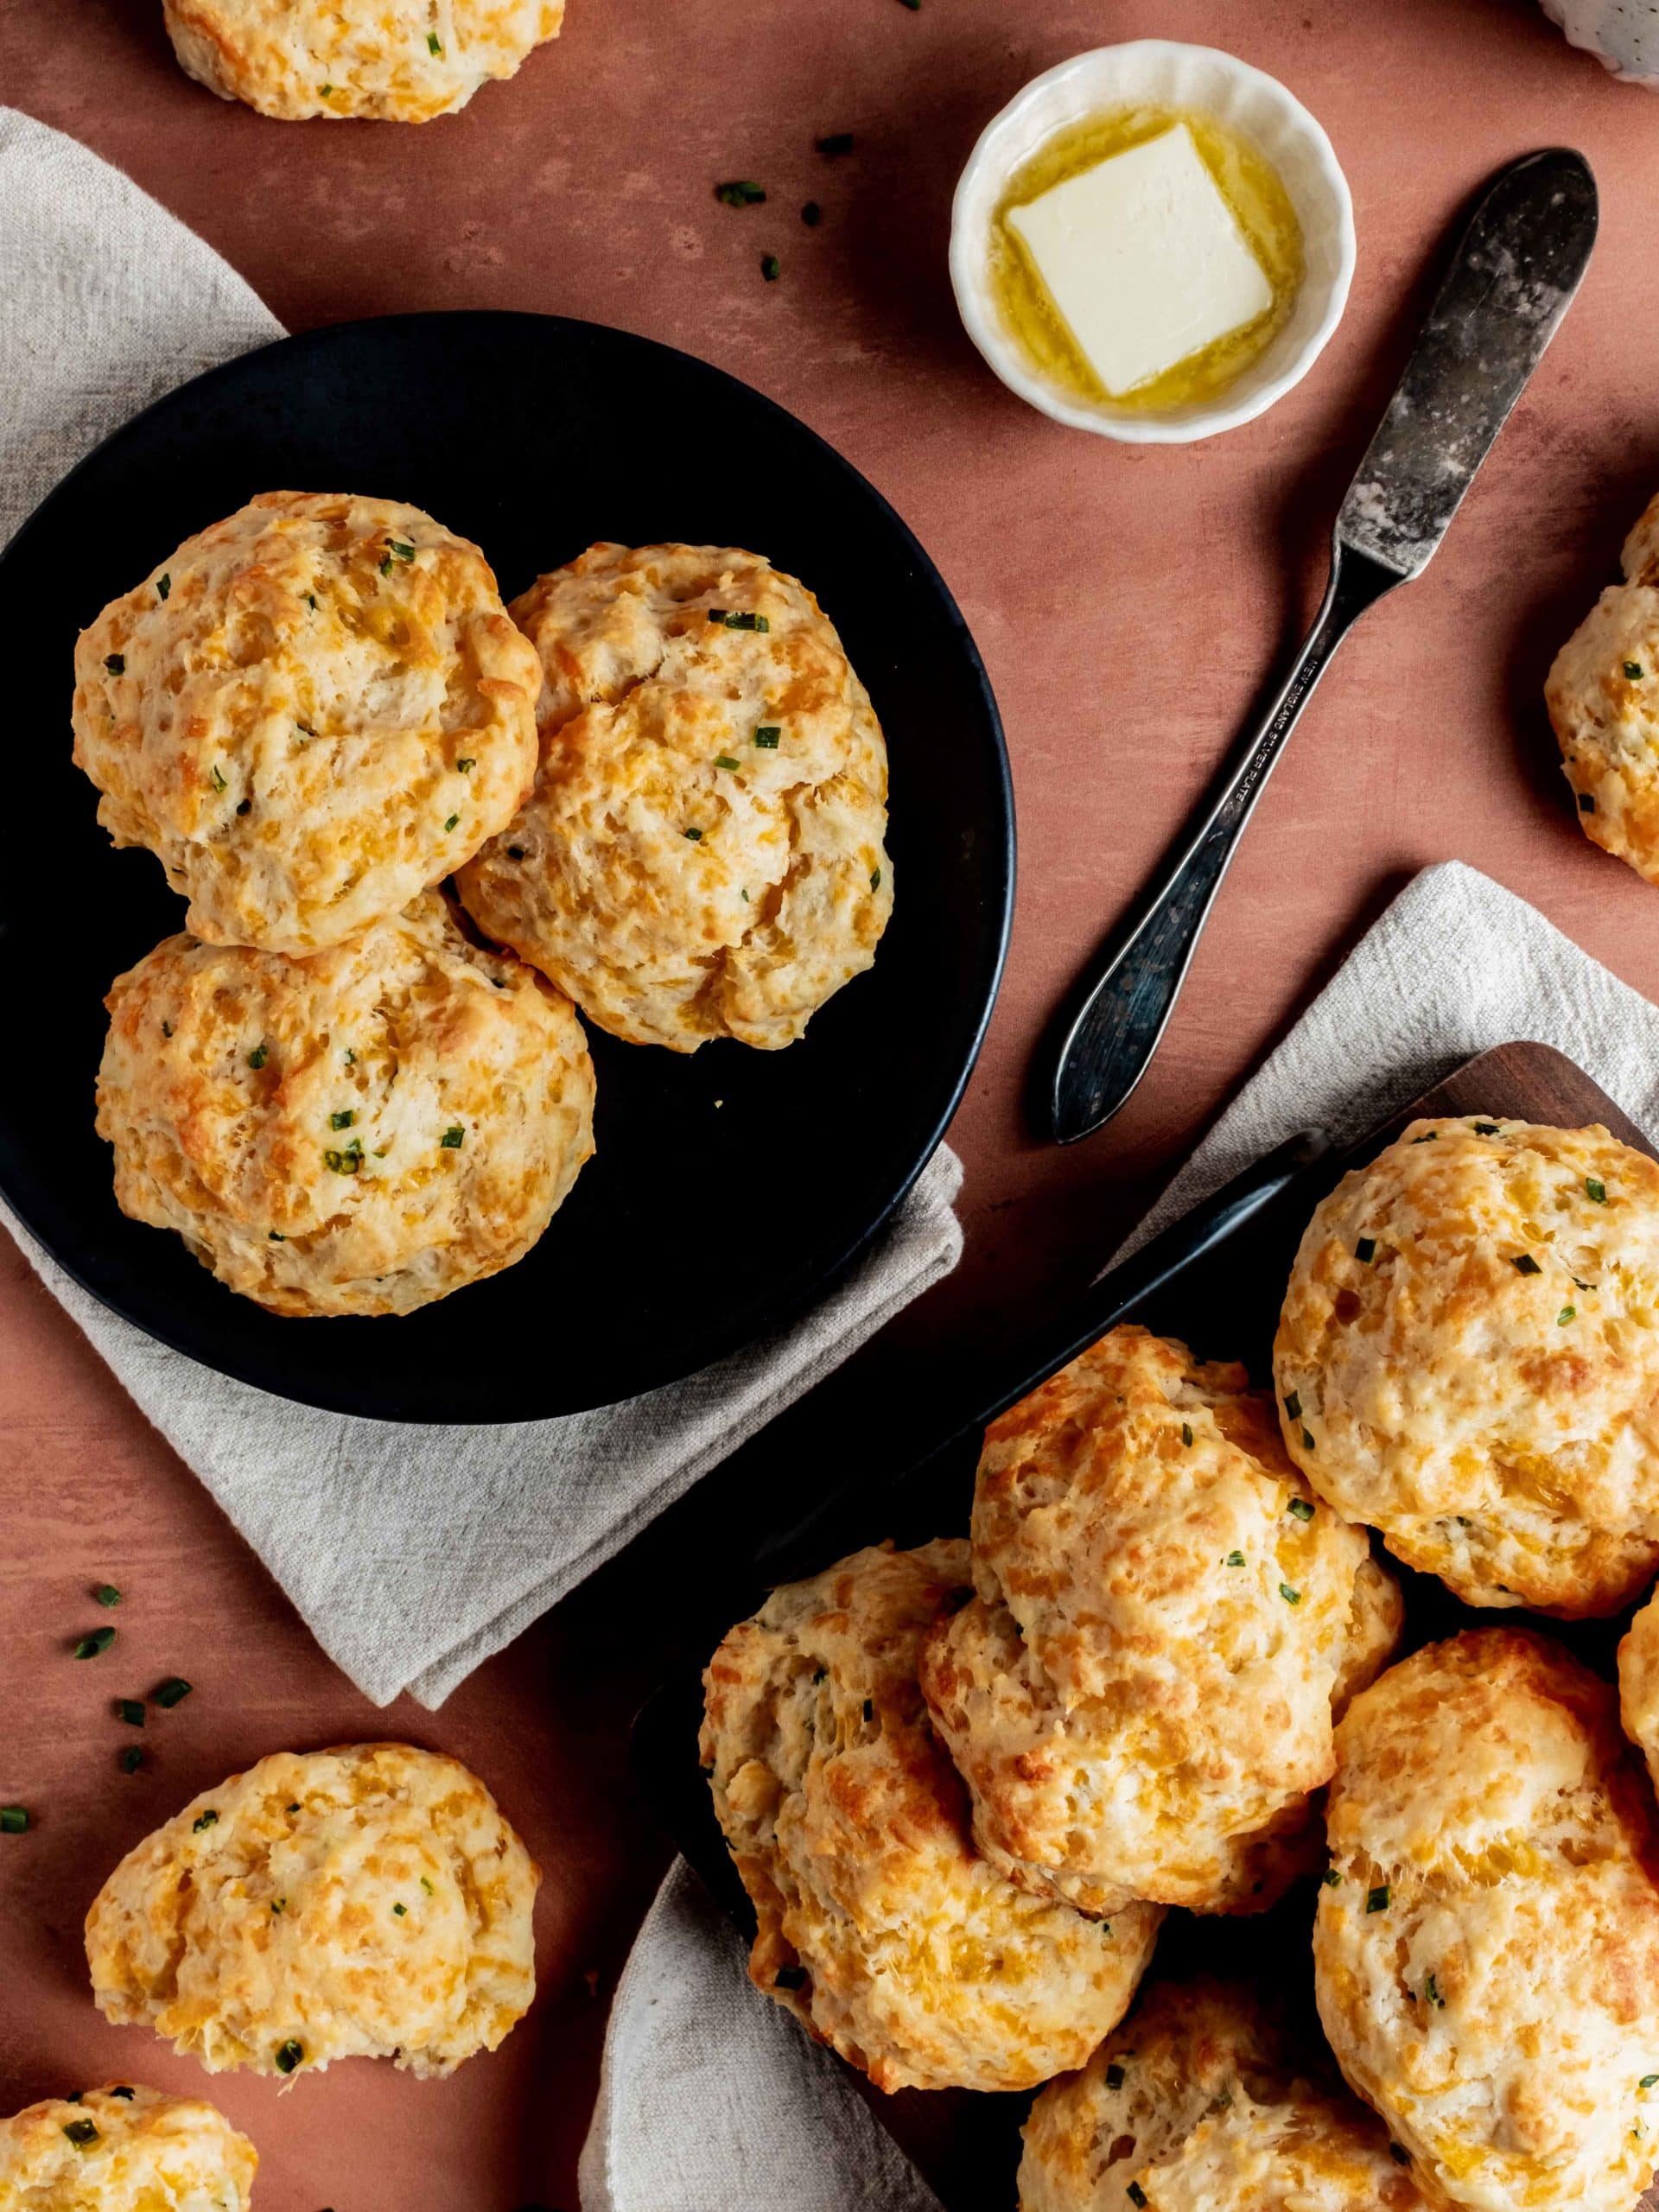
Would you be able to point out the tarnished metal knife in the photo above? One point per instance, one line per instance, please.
(1511, 281)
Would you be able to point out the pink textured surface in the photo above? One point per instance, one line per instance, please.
(1129, 604)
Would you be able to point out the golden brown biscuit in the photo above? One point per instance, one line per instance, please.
(1468, 1359)
(361, 1132)
(1486, 1952)
(1603, 697)
(124, 2148)
(1200, 2102)
(369, 1901)
(1638, 1684)
(879, 1926)
(397, 60)
(311, 713)
(702, 856)
(1140, 1695)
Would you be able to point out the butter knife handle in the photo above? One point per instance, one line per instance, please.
(1129, 991)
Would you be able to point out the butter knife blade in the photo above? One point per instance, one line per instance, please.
(1511, 280)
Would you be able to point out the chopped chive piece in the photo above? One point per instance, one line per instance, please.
(1430, 1139)
(1307, 1439)
(293, 1808)
(875, 879)
(1186, 1433)
(724, 760)
(1432, 1992)
(1399, 2153)
(811, 214)
(790, 1978)
(207, 1819)
(279, 1904)
(259, 1055)
(245, 806)
(1114, 2077)
(1301, 1509)
(167, 1029)
(116, 662)
(515, 851)
(745, 897)
(348, 1162)
(1587, 802)
(90, 1646)
(1294, 1405)
(400, 1910)
(1486, 1129)
(1291, 1597)
(107, 1595)
(1633, 670)
(1380, 1899)
(766, 736)
(170, 1693)
(131, 1759)
(838, 142)
(344, 1119)
(742, 620)
(1365, 1250)
(770, 267)
(83, 2133)
(125, 2093)
(428, 1887)
(14, 1820)
(1333, 1879)
(451, 1139)
(219, 784)
(451, 822)
(1647, 2081)
(398, 550)
(433, 43)
(1582, 1285)
(288, 2055)
(696, 835)
(131, 1710)
(1567, 1313)
(164, 585)
(869, 1709)
(325, 91)
(1595, 1191)
(1235, 1559)
(465, 767)
(914, 6)
(741, 192)
(275, 1236)
(1524, 1264)
(1135, 2193)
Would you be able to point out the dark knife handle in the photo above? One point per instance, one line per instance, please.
(1129, 991)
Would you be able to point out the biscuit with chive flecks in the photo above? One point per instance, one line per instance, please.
(702, 856)
(369, 1901)
(124, 2149)
(1468, 1360)
(395, 61)
(311, 713)
(361, 1131)
(879, 1925)
(1603, 697)
(1140, 1694)
(1486, 1947)
(1200, 2101)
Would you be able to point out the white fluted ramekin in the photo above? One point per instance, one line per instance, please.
(1254, 106)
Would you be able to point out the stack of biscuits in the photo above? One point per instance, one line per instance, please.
(964, 1785)
(657, 784)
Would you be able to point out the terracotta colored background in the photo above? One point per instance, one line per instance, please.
(1129, 604)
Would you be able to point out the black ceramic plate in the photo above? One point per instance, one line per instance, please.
(730, 1187)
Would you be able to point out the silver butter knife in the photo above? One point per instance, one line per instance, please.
(1511, 281)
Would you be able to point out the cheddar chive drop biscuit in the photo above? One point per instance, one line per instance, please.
(1486, 1950)
(1200, 2102)
(124, 2148)
(361, 1131)
(1468, 1360)
(879, 1926)
(1603, 697)
(397, 61)
(702, 856)
(311, 713)
(364, 1902)
(1140, 1694)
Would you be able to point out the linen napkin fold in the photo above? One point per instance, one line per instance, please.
(711, 2101)
(411, 1553)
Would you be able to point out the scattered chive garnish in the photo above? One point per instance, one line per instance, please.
(164, 585)
(1633, 670)
(696, 835)
(1307, 1439)
(451, 822)
(90, 1646)
(278, 1905)
(116, 662)
(875, 879)
(741, 192)
(741, 620)
(1524, 1264)
(838, 142)
(131, 1759)
(1333, 1879)
(724, 760)
(348, 1162)
(344, 1119)
(288, 2055)
(465, 767)
(1291, 1597)
(14, 1820)
(1186, 1434)
(1235, 1559)
(1587, 802)
(451, 1139)
(1294, 1405)
(1114, 2077)
(811, 214)
(770, 267)
(1432, 1992)
(130, 1709)
(207, 1819)
(428, 1887)
(1380, 1899)
(219, 784)
(1595, 1191)
(1486, 1129)
(433, 43)
(83, 2133)
(1135, 2193)
(259, 1055)
(1301, 1509)
(275, 1236)
(1647, 2081)
(170, 1693)
(790, 1977)
(123, 2092)
(107, 1595)
(1430, 1139)
(1365, 1250)
(1567, 1313)
(766, 736)
(400, 1910)
(1399, 2153)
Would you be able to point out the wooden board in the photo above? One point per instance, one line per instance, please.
(1224, 1303)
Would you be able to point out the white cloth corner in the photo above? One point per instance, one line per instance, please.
(412, 1553)
(713, 2100)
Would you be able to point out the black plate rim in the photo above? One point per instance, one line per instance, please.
(809, 1285)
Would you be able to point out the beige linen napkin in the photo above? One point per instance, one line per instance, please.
(411, 1553)
(711, 2100)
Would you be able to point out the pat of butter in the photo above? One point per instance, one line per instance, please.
(1144, 258)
